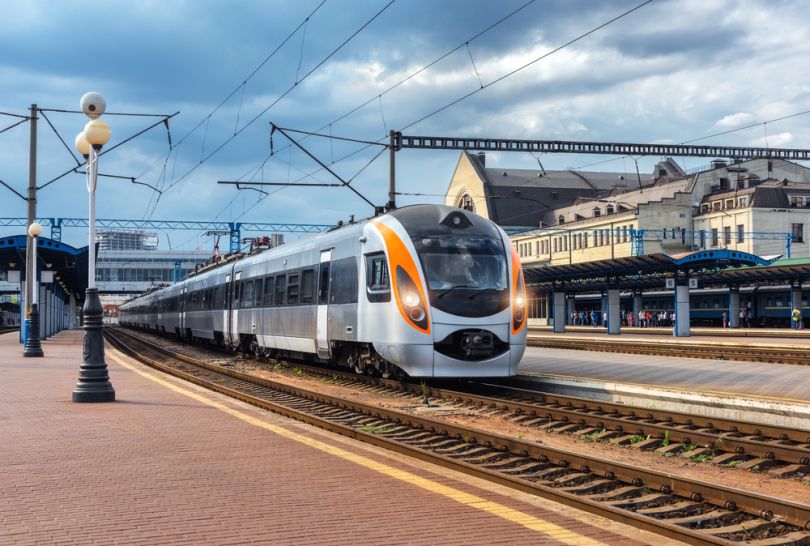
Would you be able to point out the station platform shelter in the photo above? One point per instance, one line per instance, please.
(61, 276)
(690, 288)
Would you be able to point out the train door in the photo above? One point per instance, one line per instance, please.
(323, 304)
(233, 304)
(182, 315)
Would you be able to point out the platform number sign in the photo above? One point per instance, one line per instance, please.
(670, 283)
(693, 283)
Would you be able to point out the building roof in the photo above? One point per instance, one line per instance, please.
(769, 193)
(69, 264)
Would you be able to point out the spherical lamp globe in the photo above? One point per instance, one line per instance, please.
(97, 132)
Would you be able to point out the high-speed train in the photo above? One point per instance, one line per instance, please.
(429, 290)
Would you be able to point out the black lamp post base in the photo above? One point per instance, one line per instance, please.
(94, 382)
(32, 345)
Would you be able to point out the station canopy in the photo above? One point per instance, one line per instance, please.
(721, 267)
(69, 264)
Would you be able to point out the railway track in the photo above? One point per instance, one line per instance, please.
(5, 329)
(724, 350)
(681, 508)
(783, 451)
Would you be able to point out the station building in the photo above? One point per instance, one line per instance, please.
(760, 207)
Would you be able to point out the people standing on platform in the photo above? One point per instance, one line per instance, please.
(604, 319)
(647, 319)
(796, 318)
(594, 319)
(630, 316)
(624, 318)
(725, 319)
(742, 319)
(665, 317)
(749, 317)
(582, 318)
(641, 318)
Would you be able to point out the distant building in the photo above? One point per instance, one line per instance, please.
(123, 239)
(579, 217)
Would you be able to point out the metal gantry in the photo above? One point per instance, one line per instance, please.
(233, 228)
(401, 141)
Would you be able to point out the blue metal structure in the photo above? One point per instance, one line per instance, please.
(233, 228)
(698, 238)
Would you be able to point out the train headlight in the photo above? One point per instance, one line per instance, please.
(411, 299)
(518, 295)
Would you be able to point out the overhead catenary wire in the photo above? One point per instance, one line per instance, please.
(528, 64)
(728, 132)
(13, 125)
(486, 86)
(426, 67)
(280, 97)
(107, 150)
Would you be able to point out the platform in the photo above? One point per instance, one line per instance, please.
(169, 462)
(731, 389)
(763, 335)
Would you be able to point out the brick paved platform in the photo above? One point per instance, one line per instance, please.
(170, 463)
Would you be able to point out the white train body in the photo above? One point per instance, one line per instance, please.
(432, 290)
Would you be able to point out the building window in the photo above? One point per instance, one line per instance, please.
(704, 207)
(724, 183)
(717, 205)
(729, 203)
(798, 232)
(714, 237)
(597, 212)
(726, 235)
(740, 233)
(609, 209)
(796, 201)
(467, 203)
(624, 234)
(555, 244)
(743, 202)
(537, 247)
(565, 243)
(560, 219)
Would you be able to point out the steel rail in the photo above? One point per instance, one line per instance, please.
(770, 509)
(766, 443)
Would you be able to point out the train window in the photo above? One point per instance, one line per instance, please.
(257, 293)
(323, 284)
(267, 299)
(292, 289)
(344, 281)
(247, 294)
(307, 285)
(378, 287)
(281, 281)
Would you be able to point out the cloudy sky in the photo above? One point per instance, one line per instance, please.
(672, 71)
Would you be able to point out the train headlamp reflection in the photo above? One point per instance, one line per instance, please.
(519, 301)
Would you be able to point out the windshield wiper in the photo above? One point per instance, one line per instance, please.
(487, 289)
(447, 290)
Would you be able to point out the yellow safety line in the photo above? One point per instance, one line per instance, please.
(556, 532)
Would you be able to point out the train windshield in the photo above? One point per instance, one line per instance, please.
(466, 276)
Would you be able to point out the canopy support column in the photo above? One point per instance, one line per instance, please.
(734, 306)
(558, 311)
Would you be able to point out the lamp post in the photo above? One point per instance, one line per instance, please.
(94, 381)
(32, 344)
